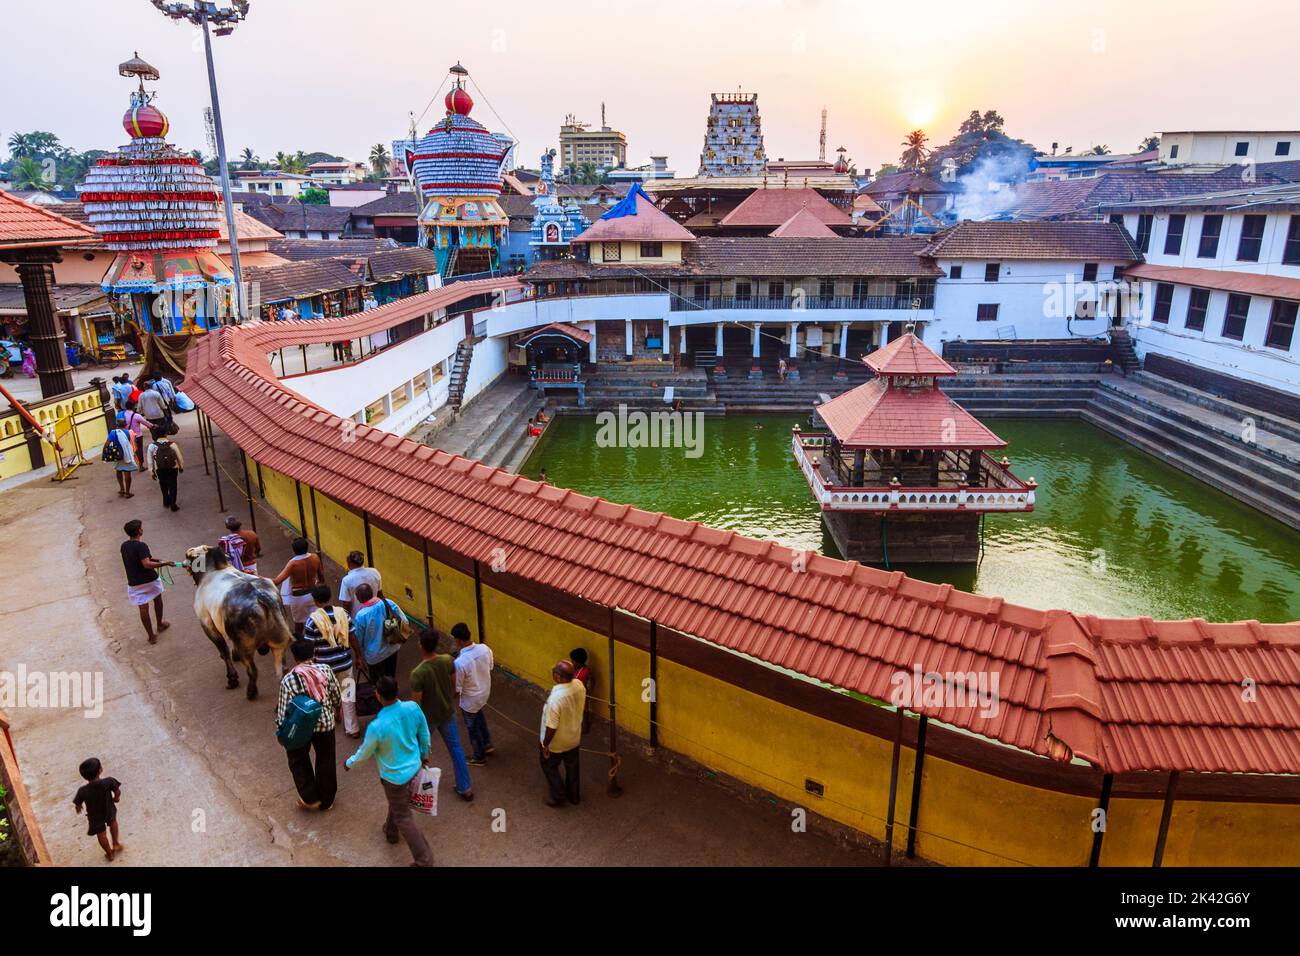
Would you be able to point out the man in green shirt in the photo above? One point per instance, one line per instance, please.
(433, 687)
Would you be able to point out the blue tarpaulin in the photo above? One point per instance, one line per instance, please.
(627, 205)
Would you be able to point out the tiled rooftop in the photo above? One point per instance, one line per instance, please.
(25, 225)
(999, 241)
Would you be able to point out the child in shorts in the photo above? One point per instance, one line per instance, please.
(99, 795)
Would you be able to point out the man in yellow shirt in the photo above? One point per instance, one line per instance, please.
(561, 734)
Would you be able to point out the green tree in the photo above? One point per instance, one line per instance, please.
(981, 136)
(1151, 142)
(916, 152)
(1101, 150)
(314, 194)
(249, 158)
(29, 174)
(35, 145)
(380, 159)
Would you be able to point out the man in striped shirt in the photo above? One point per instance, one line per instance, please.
(330, 630)
(316, 786)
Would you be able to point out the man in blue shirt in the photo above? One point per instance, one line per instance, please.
(380, 656)
(398, 739)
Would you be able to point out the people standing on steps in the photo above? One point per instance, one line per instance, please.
(300, 574)
(164, 461)
(398, 739)
(433, 687)
(473, 688)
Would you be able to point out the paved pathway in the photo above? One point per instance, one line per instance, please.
(204, 781)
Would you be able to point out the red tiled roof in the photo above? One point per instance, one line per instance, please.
(907, 355)
(558, 328)
(803, 225)
(876, 416)
(1127, 695)
(773, 206)
(24, 225)
(998, 241)
(648, 225)
(1251, 283)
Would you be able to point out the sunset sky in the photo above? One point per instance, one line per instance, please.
(338, 76)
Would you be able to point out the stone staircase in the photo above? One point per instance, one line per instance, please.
(492, 428)
(460, 373)
(1126, 357)
(642, 385)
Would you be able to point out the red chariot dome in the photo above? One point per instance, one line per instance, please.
(145, 122)
(459, 102)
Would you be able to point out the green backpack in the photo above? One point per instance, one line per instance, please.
(300, 719)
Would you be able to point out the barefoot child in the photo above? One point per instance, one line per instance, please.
(100, 796)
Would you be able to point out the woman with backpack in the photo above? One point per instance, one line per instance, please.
(120, 450)
(164, 461)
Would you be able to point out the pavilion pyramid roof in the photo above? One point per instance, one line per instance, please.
(874, 415)
(803, 225)
(773, 206)
(636, 218)
(907, 355)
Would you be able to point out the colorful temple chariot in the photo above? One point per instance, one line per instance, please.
(456, 170)
(903, 473)
(160, 212)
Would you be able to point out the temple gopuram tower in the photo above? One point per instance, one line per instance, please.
(161, 212)
(456, 170)
(903, 473)
(733, 138)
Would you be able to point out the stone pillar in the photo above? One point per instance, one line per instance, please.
(681, 343)
(410, 390)
(844, 340)
(43, 326)
(884, 334)
(667, 340)
(428, 380)
(758, 346)
(717, 340)
(627, 337)
(388, 404)
(794, 340)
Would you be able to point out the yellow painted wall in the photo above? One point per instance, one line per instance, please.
(87, 411)
(967, 818)
(631, 252)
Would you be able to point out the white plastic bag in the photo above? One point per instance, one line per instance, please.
(423, 790)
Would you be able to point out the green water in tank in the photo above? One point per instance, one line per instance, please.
(1115, 532)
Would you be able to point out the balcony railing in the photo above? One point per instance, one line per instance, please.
(1005, 492)
(878, 302)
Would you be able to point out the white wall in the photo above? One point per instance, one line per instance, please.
(529, 313)
(1221, 147)
(1033, 297)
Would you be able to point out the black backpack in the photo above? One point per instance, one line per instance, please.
(165, 455)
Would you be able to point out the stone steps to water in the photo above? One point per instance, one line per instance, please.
(1236, 481)
(1181, 394)
(498, 440)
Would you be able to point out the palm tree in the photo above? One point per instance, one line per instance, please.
(916, 152)
(380, 159)
(249, 158)
(27, 173)
(1100, 150)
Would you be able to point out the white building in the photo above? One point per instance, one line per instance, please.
(1226, 147)
(1221, 283)
(1027, 280)
(337, 173)
(269, 182)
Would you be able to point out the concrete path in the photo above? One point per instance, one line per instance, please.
(204, 781)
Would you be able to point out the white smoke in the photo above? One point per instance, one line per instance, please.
(988, 188)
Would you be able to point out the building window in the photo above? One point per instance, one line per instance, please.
(701, 290)
(611, 252)
(1173, 151)
(860, 289)
(1090, 272)
(1234, 321)
(1164, 302)
(991, 271)
(1211, 226)
(954, 272)
(776, 291)
(1283, 148)
(652, 250)
(1242, 149)
(1252, 237)
(1174, 234)
(826, 288)
(1144, 232)
(1291, 251)
(743, 292)
(986, 311)
(1281, 324)
(1198, 304)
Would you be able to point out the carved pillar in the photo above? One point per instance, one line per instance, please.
(37, 275)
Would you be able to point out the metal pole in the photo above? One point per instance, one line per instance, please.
(216, 468)
(302, 514)
(612, 788)
(248, 490)
(1106, 782)
(1164, 819)
(893, 789)
(478, 601)
(428, 586)
(654, 684)
(315, 522)
(365, 525)
(916, 787)
(203, 447)
(240, 307)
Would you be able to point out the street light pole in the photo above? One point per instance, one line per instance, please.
(241, 311)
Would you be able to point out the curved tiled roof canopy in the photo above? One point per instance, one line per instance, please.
(1125, 695)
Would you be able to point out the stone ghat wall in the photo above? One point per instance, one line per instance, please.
(976, 803)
